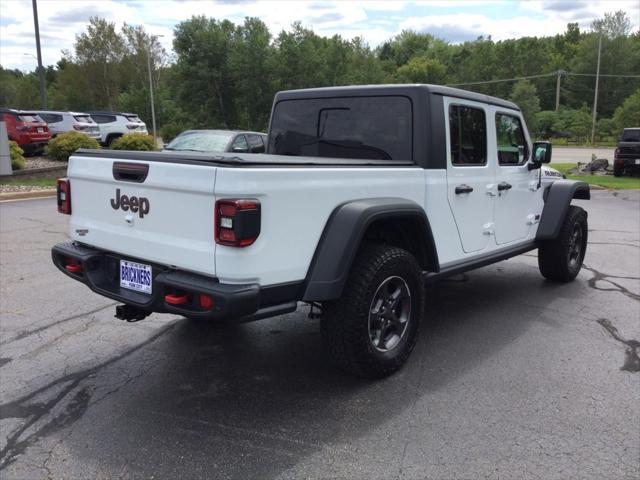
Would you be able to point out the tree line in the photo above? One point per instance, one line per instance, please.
(224, 75)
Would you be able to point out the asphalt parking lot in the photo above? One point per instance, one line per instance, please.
(513, 377)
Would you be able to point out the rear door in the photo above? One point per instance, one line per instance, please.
(164, 216)
(470, 173)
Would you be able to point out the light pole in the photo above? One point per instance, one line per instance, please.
(153, 108)
(43, 97)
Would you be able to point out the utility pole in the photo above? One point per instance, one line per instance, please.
(595, 95)
(43, 95)
(559, 72)
(153, 107)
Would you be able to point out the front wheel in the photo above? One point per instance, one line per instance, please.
(561, 259)
(372, 328)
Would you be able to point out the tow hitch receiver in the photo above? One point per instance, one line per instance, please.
(131, 313)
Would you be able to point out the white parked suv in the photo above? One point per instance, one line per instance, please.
(366, 195)
(115, 124)
(61, 122)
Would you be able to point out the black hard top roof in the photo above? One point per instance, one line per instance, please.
(398, 89)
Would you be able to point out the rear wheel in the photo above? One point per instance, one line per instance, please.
(561, 259)
(618, 171)
(372, 329)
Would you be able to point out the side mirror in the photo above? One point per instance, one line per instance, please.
(541, 152)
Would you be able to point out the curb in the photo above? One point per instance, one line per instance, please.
(27, 195)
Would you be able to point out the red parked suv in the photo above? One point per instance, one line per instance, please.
(26, 128)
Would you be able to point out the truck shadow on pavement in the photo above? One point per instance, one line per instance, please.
(259, 399)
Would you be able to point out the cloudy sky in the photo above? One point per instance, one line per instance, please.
(375, 21)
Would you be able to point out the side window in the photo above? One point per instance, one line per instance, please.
(47, 117)
(256, 143)
(240, 144)
(468, 135)
(103, 118)
(512, 144)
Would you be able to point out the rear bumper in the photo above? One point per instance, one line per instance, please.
(100, 272)
(628, 161)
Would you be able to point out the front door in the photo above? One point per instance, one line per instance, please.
(470, 173)
(516, 185)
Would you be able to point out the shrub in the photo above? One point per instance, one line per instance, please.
(62, 147)
(16, 154)
(134, 141)
(170, 131)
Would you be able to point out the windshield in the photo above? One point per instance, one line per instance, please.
(29, 118)
(357, 127)
(133, 118)
(201, 141)
(83, 118)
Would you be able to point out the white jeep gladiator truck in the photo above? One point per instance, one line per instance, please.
(366, 195)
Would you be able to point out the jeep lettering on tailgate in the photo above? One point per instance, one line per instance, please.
(136, 205)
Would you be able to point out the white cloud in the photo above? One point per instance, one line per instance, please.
(375, 21)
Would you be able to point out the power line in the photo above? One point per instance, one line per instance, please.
(501, 80)
(553, 74)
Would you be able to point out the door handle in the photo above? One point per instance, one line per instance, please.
(504, 186)
(463, 189)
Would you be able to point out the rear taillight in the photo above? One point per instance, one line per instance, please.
(22, 128)
(131, 126)
(237, 222)
(80, 127)
(64, 196)
(616, 153)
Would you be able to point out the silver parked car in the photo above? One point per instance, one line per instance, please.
(61, 122)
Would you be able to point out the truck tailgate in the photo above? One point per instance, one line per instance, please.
(171, 221)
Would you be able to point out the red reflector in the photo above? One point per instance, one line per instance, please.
(64, 196)
(73, 268)
(176, 299)
(227, 235)
(206, 301)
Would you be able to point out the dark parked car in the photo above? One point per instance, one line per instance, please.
(219, 141)
(627, 155)
(27, 129)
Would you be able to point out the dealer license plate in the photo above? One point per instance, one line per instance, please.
(135, 276)
(40, 129)
(637, 161)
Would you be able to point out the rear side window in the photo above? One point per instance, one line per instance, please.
(133, 118)
(83, 118)
(512, 144)
(51, 117)
(358, 127)
(467, 135)
(103, 118)
(256, 145)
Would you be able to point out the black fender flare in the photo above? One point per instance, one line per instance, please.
(342, 236)
(558, 197)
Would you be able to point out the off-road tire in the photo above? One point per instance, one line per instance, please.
(557, 258)
(618, 171)
(345, 324)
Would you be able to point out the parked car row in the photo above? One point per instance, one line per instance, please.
(33, 129)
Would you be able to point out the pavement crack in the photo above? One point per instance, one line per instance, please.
(28, 333)
(632, 360)
(35, 412)
(599, 276)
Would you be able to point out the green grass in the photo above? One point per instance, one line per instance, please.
(37, 182)
(609, 181)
